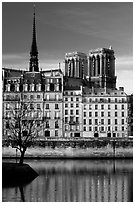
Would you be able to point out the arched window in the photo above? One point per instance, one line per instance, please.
(98, 65)
(93, 66)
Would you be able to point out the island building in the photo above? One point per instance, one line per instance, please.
(83, 102)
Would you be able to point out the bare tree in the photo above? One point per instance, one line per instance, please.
(24, 127)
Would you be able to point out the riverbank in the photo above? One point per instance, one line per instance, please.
(106, 152)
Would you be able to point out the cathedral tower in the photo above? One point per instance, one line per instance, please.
(101, 67)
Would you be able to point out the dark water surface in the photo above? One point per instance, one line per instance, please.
(76, 181)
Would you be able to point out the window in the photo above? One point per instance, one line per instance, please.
(109, 121)
(102, 128)
(122, 121)
(109, 128)
(115, 100)
(77, 127)
(66, 112)
(96, 114)
(123, 100)
(108, 107)
(66, 105)
(102, 106)
(115, 121)
(31, 106)
(71, 119)
(90, 107)
(48, 114)
(57, 97)
(90, 114)
(31, 96)
(56, 124)
(66, 99)
(122, 114)
(72, 93)
(90, 129)
(7, 106)
(102, 121)
(47, 106)
(56, 106)
(122, 107)
(56, 133)
(71, 105)
(96, 107)
(71, 112)
(38, 96)
(96, 121)
(102, 114)
(71, 127)
(7, 125)
(66, 119)
(71, 99)
(109, 100)
(84, 114)
(90, 121)
(109, 114)
(47, 97)
(122, 128)
(77, 112)
(115, 107)
(25, 96)
(77, 119)
(39, 114)
(66, 127)
(116, 128)
(84, 107)
(38, 106)
(84, 121)
(84, 128)
(77, 99)
(47, 124)
(77, 105)
(17, 106)
(115, 114)
(57, 115)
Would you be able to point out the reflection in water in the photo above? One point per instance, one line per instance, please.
(76, 181)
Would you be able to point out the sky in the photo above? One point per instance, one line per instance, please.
(64, 27)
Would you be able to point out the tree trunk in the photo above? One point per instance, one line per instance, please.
(22, 157)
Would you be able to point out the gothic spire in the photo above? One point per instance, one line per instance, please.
(34, 51)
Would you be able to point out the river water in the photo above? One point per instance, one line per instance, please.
(75, 181)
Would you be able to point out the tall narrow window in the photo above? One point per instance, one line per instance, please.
(56, 106)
